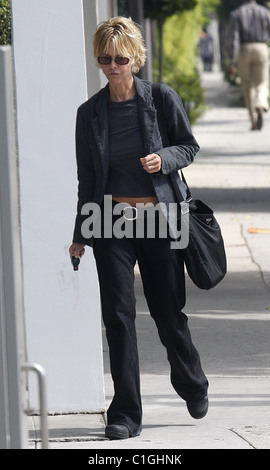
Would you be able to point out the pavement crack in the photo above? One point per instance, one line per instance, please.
(252, 257)
(243, 438)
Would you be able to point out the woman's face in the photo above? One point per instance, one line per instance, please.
(114, 72)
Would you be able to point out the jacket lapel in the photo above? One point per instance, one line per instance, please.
(148, 116)
(100, 127)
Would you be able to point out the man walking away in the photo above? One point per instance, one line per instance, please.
(249, 32)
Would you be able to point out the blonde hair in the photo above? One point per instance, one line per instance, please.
(126, 37)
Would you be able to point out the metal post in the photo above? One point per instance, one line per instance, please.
(42, 401)
(12, 348)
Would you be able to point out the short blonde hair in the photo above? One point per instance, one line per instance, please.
(126, 37)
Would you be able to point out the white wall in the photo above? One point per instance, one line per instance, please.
(62, 310)
(12, 341)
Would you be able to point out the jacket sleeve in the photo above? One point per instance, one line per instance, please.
(182, 146)
(85, 172)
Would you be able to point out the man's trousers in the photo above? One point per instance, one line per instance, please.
(162, 273)
(253, 62)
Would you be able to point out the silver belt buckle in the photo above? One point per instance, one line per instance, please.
(133, 209)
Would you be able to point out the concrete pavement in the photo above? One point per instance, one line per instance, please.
(229, 325)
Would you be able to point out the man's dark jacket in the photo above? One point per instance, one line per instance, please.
(92, 146)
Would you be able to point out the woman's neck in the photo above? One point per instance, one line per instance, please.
(122, 91)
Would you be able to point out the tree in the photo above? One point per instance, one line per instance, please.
(180, 71)
(5, 22)
(159, 10)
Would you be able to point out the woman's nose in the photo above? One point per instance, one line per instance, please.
(113, 63)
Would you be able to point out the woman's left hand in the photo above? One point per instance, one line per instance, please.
(151, 163)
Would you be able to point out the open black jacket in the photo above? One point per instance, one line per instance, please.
(92, 145)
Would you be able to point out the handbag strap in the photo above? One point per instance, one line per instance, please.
(189, 197)
(158, 102)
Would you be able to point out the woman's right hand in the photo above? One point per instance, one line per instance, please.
(76, 249)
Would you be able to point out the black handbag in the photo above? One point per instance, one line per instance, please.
(204, 256)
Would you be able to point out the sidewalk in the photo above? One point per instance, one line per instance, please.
(229, 324)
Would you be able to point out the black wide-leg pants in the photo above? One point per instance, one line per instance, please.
(162, 273)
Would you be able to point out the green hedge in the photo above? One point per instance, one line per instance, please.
(5, 22)
(181, 35)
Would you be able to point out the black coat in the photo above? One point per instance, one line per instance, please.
(92, 145)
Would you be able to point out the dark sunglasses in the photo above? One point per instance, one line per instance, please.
(106, 60)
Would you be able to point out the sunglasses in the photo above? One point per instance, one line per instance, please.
(106, 60)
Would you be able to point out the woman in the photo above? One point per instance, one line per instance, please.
(120, 155)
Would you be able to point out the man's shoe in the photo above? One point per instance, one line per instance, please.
(117, 431)
(259, 118)
(198, 409)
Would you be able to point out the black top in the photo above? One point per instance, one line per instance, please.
(126, 175)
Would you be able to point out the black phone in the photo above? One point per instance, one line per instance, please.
(75, 262)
